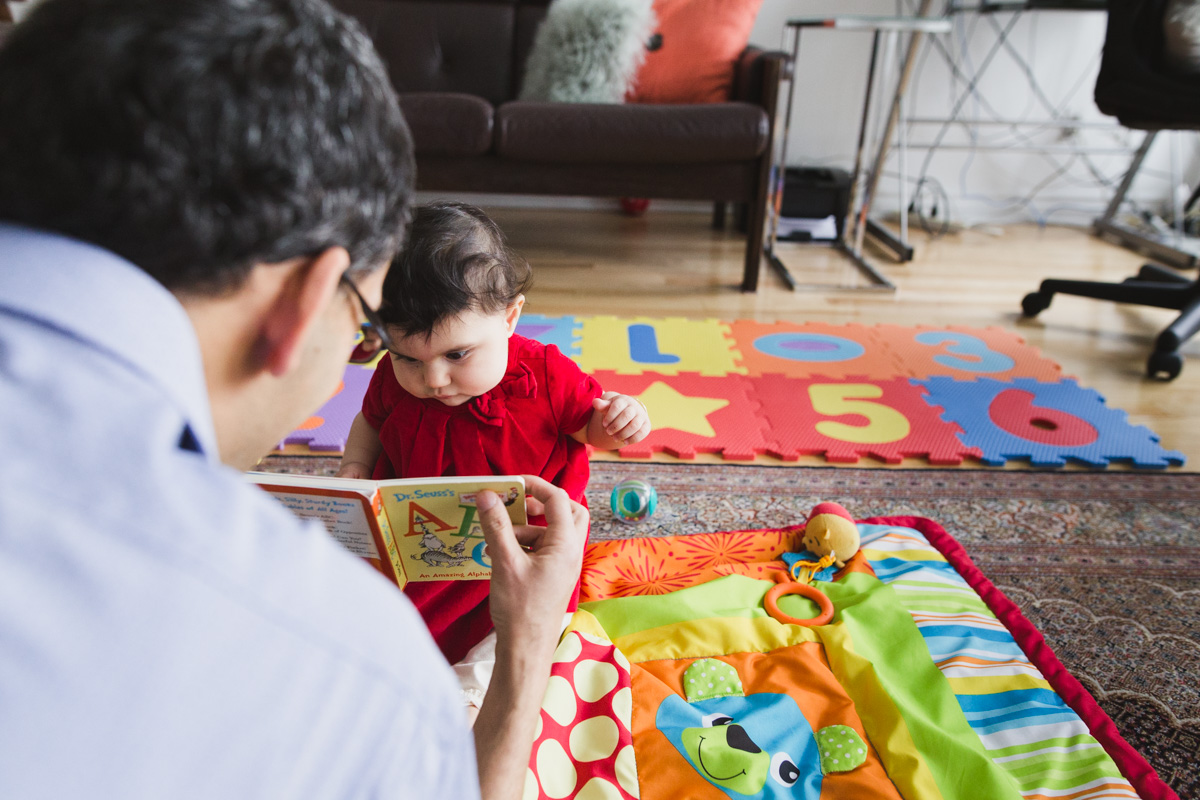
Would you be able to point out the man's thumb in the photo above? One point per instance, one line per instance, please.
(497, 527)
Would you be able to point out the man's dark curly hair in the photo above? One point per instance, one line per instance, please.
(456, 260)
(196, 138)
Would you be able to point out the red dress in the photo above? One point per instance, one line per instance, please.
(522, 426)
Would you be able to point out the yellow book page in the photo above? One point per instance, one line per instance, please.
(435, 524)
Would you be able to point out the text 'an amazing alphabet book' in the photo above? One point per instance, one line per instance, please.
(415, 529)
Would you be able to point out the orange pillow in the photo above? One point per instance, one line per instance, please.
(701, 41)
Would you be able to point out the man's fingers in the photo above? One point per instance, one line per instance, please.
(558, 509)
(497, 527)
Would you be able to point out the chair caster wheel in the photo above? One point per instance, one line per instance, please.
(1034, 303)
(1164, 366)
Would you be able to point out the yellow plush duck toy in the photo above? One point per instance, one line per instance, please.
(830, 530)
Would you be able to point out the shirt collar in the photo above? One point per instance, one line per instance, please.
(108, 303)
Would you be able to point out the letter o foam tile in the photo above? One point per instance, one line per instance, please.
(1047, 423)
(812, 349)
(844, 419)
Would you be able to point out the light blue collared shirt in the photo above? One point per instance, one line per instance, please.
(166, 631)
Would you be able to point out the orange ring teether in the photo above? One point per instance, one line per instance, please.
(771, 602)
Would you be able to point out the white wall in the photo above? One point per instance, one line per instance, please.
(983, 187)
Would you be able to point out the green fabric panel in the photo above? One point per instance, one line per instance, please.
(1064, 741)
(884, 633)
(731, 596)
(1065, 771)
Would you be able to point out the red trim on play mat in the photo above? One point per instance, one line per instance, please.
(1131, 763)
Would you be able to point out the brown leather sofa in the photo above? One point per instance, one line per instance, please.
(458, 66)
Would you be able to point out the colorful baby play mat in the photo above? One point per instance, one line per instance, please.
(743, 389)
(674, 681)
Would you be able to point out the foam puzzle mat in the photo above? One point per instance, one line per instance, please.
(743, 389)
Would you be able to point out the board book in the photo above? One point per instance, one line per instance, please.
(410, 529)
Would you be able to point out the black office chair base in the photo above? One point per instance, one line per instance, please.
(1152, 286)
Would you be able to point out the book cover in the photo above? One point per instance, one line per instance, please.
(415, 529)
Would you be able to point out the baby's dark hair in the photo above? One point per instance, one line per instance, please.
(456, 259)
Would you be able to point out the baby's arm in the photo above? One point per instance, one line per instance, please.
(363, 449)
(617, 420)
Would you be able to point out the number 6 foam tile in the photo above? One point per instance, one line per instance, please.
(845, 419)
(1047, 423)
(966, 353)
(814, 348)
(693, 414)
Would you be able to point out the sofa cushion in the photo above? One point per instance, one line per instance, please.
(440, 46)
(587, 51)
(448, 124)
(699, 47)
(630, 134)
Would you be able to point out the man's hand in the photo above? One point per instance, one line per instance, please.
(534, 572)
(534, 568)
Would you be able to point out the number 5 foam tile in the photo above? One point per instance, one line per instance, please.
(1047, 423)
(667, 346)
(813, 348)
(693, 414)
(328, 429)
(966, 353)
(847, 418)
(563, 332)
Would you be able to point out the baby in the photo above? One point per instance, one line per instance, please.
(462, 393)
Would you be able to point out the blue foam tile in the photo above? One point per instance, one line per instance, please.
(1047, 423)
(559, 331)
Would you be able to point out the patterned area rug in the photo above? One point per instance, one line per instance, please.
(1106, 565)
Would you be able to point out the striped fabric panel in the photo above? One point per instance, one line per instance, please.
(1024, 725)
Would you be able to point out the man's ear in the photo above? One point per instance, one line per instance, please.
(302, 297)
(513, 313)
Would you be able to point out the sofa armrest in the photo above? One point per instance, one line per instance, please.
(757, 74)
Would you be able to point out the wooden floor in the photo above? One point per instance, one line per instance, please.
(675, 264)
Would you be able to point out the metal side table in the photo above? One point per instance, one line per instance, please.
(865, 176)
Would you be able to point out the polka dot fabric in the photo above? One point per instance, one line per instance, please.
(584, 745)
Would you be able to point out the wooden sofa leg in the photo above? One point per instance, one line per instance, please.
(741, 216)
(755, 226)
(718, 219)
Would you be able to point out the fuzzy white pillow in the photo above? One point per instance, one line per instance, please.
(588, 51)
(1181, 26)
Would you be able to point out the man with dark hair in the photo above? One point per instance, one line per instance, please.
(197, 199)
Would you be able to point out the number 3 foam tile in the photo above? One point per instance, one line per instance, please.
(814, 348)
(1047, 423)
(693, 414)
(667, 346)
(845, 419)
(966, 353)
(328, 429)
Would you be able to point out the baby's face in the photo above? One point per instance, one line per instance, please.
(465, 357)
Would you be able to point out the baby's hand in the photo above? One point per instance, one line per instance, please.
(354, 469)
(625, 419)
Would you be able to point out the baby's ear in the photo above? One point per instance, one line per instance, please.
(513, 313)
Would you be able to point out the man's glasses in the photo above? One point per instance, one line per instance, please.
(374, 332)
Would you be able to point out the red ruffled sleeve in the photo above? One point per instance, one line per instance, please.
(571, 391)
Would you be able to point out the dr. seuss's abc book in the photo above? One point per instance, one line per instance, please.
(415, 529)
